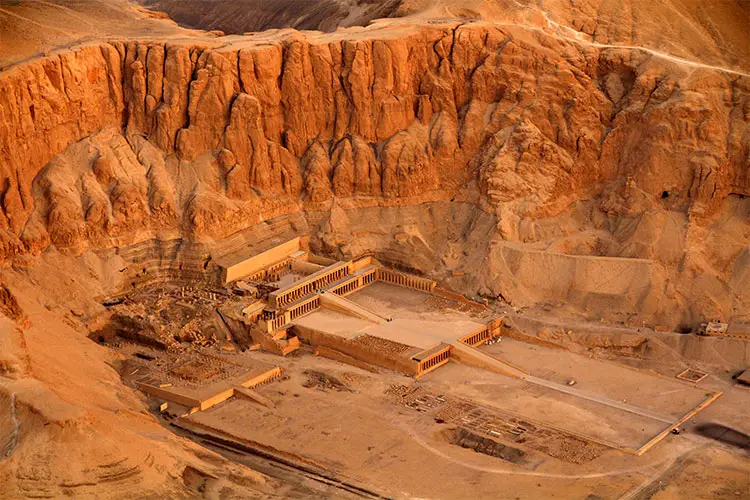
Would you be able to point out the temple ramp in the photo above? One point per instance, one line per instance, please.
(472, 356)
(346, 306)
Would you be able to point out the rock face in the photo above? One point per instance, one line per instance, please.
(114, 142)
(531, 163)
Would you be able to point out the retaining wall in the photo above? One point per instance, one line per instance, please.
(375, 357)
(259, 262)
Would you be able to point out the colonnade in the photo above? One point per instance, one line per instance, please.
(414, 282)
(310, 285)
(477, 337)
(433, 361)
(272, 273)
(355, 283)
(303, 308)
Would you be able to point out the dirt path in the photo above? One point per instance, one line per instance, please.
(661, 478)
(556, 30)
(576, 38)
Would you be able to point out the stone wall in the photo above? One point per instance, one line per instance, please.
(378, 358)
(232, 271)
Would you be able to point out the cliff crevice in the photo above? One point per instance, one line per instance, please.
(114, 142)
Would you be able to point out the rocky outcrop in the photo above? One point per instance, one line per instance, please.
(356, 170)
(526, 175)
(540, 122)
(522, 164)
(117, 142)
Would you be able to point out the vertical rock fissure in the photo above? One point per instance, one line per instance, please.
(16, 430)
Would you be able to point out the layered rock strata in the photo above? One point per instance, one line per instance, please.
(112, 143)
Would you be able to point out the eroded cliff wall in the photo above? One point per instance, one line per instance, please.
(110, 142)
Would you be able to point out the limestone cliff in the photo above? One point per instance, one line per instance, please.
(112, 142)
(522, 158)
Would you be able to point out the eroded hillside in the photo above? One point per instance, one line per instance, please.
(572, 149)
(557, 161)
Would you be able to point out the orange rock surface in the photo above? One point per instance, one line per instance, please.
(125, 139)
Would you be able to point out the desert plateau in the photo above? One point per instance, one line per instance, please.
(405, 249)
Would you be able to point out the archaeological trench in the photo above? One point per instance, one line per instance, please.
(450, 253)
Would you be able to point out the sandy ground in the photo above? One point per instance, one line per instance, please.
(32, 28)
(362, 434)
(668, 396)
(401, 452)
(609, 403)
(399, 447)
(549, 406)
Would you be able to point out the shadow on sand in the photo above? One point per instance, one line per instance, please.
(724, 434)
